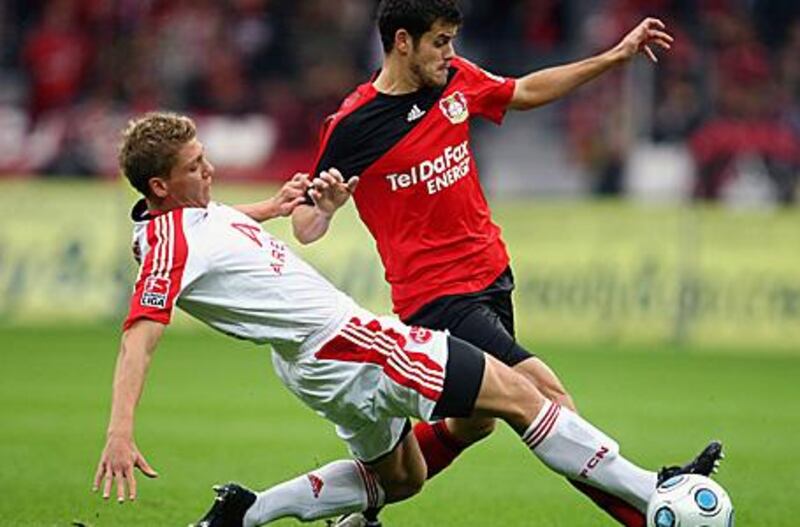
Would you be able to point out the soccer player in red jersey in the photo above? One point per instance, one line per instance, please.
(403, 139)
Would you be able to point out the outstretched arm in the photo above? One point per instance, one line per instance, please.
(291, 194)
(542, 87)
(329, 192)
(121, 455)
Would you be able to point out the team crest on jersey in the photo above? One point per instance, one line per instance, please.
(156, 291)
(420, 335)
(455, 108)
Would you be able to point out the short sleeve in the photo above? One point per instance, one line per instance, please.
(488, 95)
(161, 272)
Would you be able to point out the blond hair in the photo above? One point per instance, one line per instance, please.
(150, 146)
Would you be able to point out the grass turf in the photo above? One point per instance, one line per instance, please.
(213, 411)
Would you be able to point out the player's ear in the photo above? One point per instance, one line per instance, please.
(403, 42)
(158, 187)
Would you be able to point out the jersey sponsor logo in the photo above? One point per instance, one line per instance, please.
(455, 108)
(156, 291)
(316, 484)
(420, 335)
(436, 174)
(415, 114)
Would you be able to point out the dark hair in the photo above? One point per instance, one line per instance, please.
(415, 16)
(150, 147)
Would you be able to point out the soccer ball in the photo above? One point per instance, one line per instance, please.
(690, 500)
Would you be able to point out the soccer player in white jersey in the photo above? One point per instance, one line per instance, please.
(366, 374)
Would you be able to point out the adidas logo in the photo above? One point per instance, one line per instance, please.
(414, 114)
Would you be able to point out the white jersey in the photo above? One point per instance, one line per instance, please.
(366, 374)
(221, 267)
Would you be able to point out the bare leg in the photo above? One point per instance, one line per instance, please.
(470, 430)
(560, 438)
(467, 431)
(546, 381)
(401, 473)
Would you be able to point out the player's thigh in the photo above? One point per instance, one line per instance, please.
(478, 385)
(462, 383)
(483, 327)
(506, 394)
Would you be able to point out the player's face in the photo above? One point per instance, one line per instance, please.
(189, 182)
(431, 56)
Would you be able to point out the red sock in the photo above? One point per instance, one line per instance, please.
(617, 508)
(439, 446)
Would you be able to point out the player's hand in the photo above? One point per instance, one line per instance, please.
(330, 191)
(650, 32)
(291, 194)
(116, 466)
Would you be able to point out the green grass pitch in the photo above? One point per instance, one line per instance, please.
(213, 411)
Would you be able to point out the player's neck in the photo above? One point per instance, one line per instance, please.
(159, 206)
(171, 202)
(396, 78)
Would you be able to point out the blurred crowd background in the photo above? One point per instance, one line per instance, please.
(717, 119)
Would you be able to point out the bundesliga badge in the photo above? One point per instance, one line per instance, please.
(455, 108)
(156, 290)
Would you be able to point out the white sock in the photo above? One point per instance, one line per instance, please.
(337, 488)
(571, 446)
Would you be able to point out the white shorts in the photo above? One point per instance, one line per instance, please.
(368, 378)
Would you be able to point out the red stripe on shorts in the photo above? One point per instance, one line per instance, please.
(373, 344)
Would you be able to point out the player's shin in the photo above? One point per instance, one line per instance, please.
(337, 488)
(573, 447)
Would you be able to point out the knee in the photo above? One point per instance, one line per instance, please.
(556, 393)
(507, 394)
(548, 383)
(523, 399)
(564, 399)
(402, 485)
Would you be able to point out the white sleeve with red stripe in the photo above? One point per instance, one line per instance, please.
(162, 269)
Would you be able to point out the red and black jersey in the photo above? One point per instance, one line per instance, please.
(419, 193)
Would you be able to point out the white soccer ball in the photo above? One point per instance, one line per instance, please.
(690, 501)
